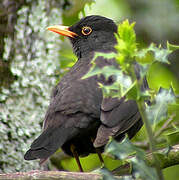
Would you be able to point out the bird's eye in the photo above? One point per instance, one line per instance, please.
(86, 30)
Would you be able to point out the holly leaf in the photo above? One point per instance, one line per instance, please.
(144, 56)
(158, 111)
(122, 85)
(172, 47)
(107, 175)
(160, 54)
(106, 71)
(123, 149)
(173, 137)
(104, 55)
(141, 171)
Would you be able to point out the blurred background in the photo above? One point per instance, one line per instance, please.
(32, 61)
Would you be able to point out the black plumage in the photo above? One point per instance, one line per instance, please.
(78, 113)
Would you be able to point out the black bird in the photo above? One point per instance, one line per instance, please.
(79, 119)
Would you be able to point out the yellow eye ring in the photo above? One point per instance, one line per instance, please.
(86, 30)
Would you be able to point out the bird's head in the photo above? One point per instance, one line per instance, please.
(90, 34)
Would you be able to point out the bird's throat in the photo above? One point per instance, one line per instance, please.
(85, 51)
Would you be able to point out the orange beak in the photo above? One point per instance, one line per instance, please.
(62, 30)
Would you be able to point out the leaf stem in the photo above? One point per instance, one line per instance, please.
(151, 138)
(141, 107)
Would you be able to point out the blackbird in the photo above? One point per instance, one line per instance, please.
(79, 119)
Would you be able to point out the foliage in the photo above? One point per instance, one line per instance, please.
(158, 110)
(124, 150)
(152, 113)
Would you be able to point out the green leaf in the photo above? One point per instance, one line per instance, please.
(172, 137)
(142, 171)
(173, 110)
(107, 175)
(123, 149)
(106, 71)
(105, 55)
(160, 54)
(164, 78)
(119, 88)
(172, 47)
(158, 111)
(127, 33)
(144, 56)
(131, 92)
(143, 69)
(126, 44)
(110, 90)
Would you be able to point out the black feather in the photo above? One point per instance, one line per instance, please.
(49, 141)
(78, 113)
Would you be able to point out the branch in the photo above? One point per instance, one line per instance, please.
(60, 175)
(165, 161)
(163, 128)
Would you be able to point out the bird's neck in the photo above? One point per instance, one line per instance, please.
(86, 51)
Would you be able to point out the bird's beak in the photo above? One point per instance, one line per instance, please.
(62, 30)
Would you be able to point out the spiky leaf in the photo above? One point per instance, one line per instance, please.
(158, 111)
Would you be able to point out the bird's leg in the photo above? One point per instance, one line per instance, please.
(75, 154)
(98, 153)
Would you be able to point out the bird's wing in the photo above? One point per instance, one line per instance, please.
(48, 142)
(68, 112)
(115, 111)
(80, 97)
(118, 117)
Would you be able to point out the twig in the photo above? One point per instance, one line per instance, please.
(159, 132)
(141, 107)
(171, 159)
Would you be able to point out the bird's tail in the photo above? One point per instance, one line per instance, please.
(49, 142)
